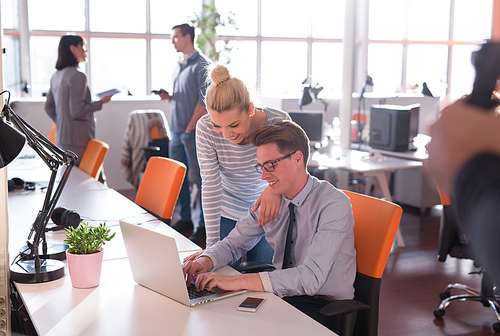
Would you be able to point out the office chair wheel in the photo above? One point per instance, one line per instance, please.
(496, 327)
(444, 295)
(438, 313)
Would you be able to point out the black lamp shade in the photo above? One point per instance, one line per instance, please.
(306, 97)
(11, 143)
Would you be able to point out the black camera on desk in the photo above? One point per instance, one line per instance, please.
(393, 127)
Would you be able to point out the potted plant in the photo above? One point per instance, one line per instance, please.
(85, 253)
(207, 22)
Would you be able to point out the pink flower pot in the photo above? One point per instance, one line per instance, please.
(85, 269)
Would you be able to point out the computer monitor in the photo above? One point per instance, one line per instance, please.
(414, 119)
(311, 123)
(393, 127)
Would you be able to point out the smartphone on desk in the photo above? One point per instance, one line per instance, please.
(251, 304)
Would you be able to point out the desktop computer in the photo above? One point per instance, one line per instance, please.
(393, 127)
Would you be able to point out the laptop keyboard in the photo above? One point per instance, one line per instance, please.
(193, 294)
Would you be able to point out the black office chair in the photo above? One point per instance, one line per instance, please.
(156, 147)
(454, 243)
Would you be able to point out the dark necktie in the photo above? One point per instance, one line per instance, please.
(287, 262)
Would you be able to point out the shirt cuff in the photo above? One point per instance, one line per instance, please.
(214, 264)
(266, 282)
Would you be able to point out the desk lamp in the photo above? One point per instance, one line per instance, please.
(30, 266)
(367, 87)
(310, 95)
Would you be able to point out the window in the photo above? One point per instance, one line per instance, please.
(412, 41)
(166, 14)
(276, 44)
(123, 16)
(43, 65)
(62, 15)
(118, 63)
(284, 68)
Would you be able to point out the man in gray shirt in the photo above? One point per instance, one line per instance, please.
(315, 261)
(187, 106)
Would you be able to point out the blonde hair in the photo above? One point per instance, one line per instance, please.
(226, 92)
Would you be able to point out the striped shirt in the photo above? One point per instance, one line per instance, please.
(230, 183)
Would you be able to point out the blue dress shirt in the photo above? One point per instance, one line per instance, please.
(189, 89)
(323, 249)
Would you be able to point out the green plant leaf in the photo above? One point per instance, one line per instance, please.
(87, 239)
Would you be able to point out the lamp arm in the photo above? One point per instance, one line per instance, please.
(53, 157)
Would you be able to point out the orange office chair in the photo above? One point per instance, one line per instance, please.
(375, 224)
(93, 158)
(160, 186)
(52, 135)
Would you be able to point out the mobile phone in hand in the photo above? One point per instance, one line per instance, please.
(159, 91)
(251, 304)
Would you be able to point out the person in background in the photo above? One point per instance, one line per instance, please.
(230, 184)
(312, 236)
(186, 107)
(69, 103)
(464, 159)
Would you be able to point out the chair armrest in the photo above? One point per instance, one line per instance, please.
(349, 310)
(252, 267)
(151, 148)
(342, 307)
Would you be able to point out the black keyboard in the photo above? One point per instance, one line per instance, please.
(193, 293)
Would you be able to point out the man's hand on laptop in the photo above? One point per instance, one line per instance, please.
(192, 268)
(229, 282)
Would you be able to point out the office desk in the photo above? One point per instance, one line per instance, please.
(424, 193)
(119, 306)
(30, 167)
(94, 206)
(357, 161)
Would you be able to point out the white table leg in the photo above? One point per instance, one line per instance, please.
(384, 184)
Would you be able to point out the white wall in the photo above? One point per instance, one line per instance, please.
(110, 127)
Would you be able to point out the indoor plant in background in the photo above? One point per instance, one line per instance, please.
(207, 23)
(85, 253)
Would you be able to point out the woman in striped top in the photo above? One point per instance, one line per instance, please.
(230, 184)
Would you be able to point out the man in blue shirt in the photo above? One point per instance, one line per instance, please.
(321, 263)
(186, 107)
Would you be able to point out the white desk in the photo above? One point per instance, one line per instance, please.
(94, 206)
(356, 161)
(119, 306)
(424, 192)
(30, 167)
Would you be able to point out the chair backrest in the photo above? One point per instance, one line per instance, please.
(452, 241)
(93, 158)
(375, 224)
(52, 135)
(160, 186)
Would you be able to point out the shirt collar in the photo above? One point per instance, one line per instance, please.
(302, 195)
(185, 58)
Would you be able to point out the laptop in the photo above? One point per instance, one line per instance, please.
(156, 265)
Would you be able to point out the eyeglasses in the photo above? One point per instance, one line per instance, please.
(269, 166)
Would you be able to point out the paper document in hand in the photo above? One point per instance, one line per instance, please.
(105, 93)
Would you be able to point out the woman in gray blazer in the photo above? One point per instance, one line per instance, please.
(69, 103)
